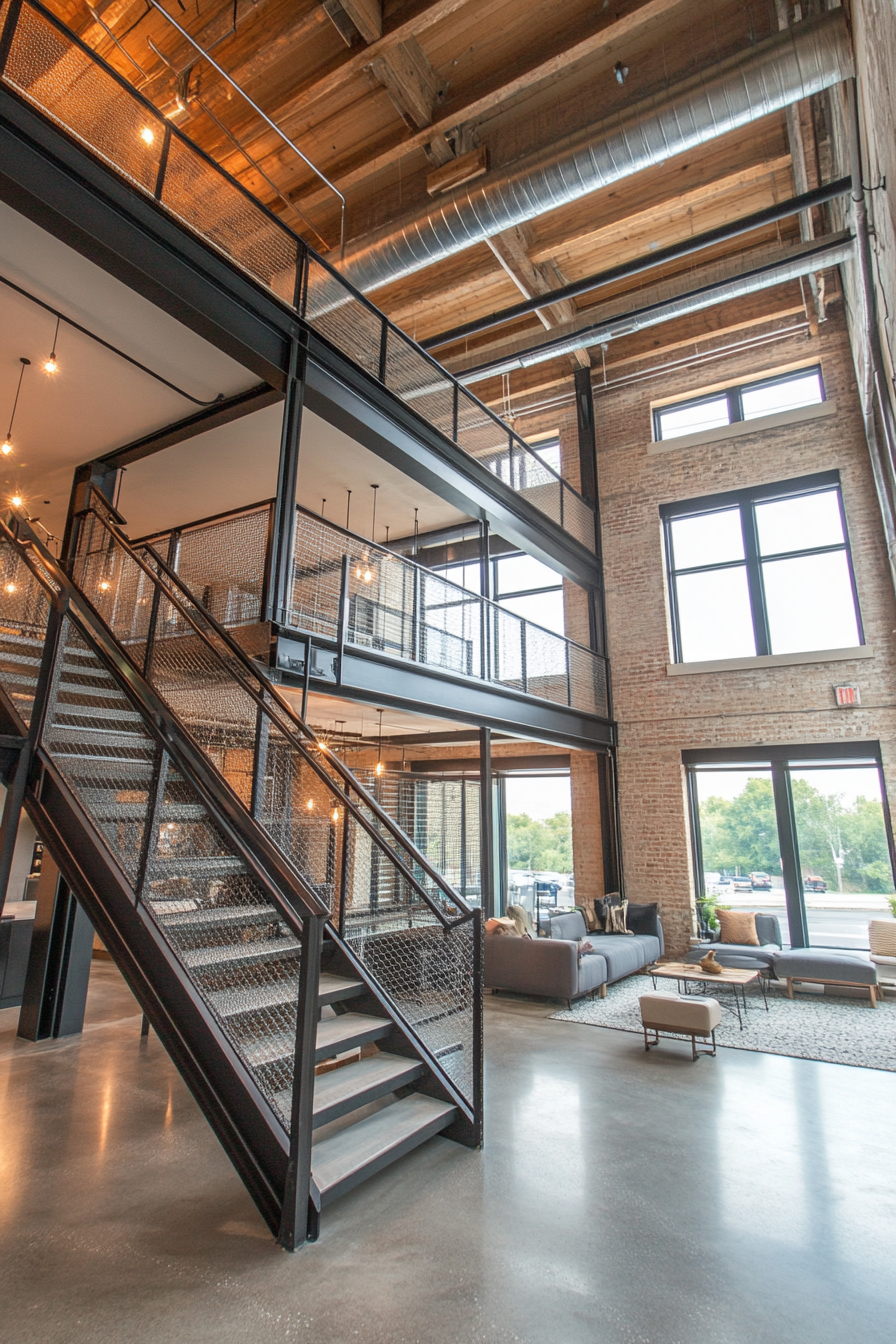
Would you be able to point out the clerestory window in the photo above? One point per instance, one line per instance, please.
(746, 401)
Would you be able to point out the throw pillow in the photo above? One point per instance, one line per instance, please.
(644, 918)
(521, 919)
(616, 918)
(501, 928)
(591, 920)
(602, 907)
(737, 926)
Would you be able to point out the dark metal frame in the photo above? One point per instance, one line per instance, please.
(734, 397)
(745, 501)
(779, 760)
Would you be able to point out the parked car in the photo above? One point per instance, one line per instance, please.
(814, 884)
(742, 884)
(760, 882)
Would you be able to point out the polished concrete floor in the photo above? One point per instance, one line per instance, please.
(622, 1198)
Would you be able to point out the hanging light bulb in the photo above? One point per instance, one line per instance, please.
(51, 365)
(147, 135)
(334, 815)
(17, 501)
(105, 585)
(310, 804)
(10, 588)
(379, 768)
(6, 446)
(367, 575)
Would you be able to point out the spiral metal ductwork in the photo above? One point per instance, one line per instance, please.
(786, 68)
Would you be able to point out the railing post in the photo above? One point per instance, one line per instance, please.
(163, 163)
(417, 650)
(297, 1216)
(524, 671)
(455, 411)
(343, 621)
(343, 871)
(568, 675)
(260, 761)
(384, 338)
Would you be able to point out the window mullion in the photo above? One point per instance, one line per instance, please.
(790, 855)
(754, 579)
(735, 406)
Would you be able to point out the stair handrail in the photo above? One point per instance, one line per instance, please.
(256, 673)
(65, 596)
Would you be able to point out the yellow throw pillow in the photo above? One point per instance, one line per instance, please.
(738, 926)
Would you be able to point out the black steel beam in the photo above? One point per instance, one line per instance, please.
(746, 224)
(342, 394)
(374, 679)
(221, 413)
(451, 765)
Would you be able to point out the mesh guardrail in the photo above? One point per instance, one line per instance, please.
(63, 77)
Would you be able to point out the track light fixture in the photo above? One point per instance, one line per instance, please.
(6, 445)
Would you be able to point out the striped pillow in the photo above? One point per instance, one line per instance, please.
(882, 937)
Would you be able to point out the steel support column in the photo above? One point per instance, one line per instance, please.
(486, 825)
(55, 993)
(284, 528)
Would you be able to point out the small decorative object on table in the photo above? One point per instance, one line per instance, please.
(709, 963)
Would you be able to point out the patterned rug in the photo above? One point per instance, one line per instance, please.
(811, 1026)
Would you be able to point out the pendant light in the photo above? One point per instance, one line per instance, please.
(6, 446)
(51, 365)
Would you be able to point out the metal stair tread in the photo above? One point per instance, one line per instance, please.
(122, 715)
(338, 1034)
(222, 954)
(344, 1160)
(333, 988)
(343, 1090)
(232, 1002)
(217, 916)
(192, 863)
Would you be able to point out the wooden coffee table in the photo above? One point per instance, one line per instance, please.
(687, 973)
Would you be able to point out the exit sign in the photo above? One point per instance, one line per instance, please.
(847, 695)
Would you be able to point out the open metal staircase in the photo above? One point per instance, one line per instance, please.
(313, 977)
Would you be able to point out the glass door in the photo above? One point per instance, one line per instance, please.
(740, 855)
(843, 850)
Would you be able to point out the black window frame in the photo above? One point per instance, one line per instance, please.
(734, 395)
(746, 501)
(781, 760)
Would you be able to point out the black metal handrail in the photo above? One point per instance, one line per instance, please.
(300, 252)
(251, 670)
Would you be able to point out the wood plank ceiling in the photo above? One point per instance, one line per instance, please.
(400, 102)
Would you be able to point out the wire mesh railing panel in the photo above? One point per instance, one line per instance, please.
(508, 647)
(578, 518)
(24, 613)
(317, 576)
(419, 382)
(223, 563)
(344, 320)
(588, 682)
(212, 204)
(80, 95)
(381, 602)
(451, 623)
(547, 672)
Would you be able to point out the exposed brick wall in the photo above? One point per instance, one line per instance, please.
(659, 716)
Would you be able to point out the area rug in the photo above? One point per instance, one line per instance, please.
(836, 1030)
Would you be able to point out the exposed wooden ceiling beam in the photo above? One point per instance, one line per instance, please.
(410, 81)
(299, 111)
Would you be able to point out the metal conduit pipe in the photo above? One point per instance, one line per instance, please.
(784, 69)
(763, 277)
(877, 406)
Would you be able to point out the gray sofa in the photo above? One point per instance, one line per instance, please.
(552, 967)
(744, 956)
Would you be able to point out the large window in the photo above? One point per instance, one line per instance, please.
(799, 832)
(530, 589)
(761, 571)
(747, 401)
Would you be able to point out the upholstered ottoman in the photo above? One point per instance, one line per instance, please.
(819, 966)
(680, 1015)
